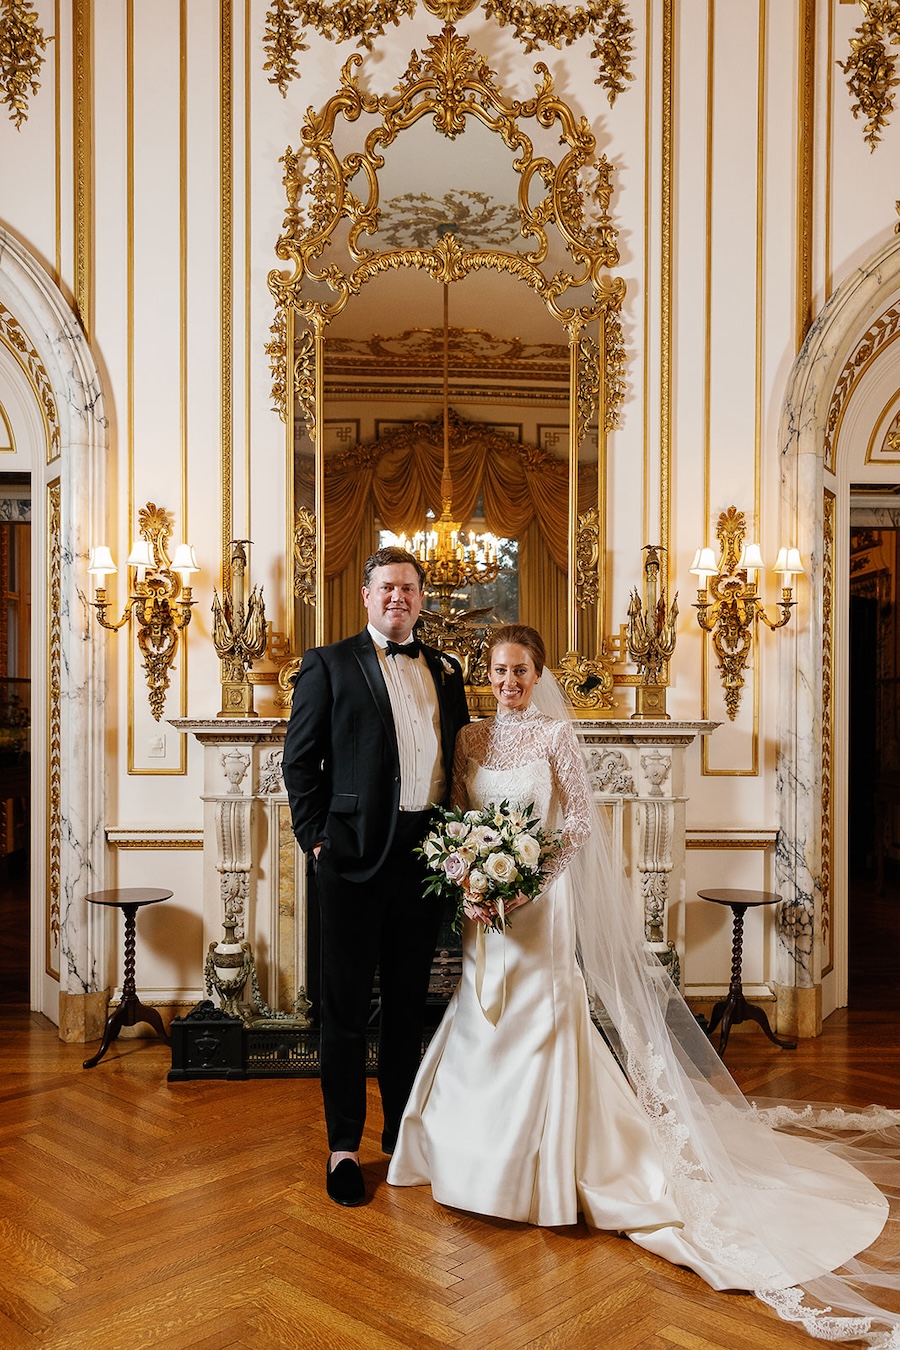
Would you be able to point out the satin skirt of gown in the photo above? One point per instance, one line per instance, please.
(533, 1119)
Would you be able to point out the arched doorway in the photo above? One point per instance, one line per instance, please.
(51, 392)
(836, 396)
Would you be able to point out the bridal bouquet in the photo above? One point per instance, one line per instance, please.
(480, 858)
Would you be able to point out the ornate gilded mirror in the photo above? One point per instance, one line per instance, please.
(448, 353)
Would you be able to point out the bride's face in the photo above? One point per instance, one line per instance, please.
(513, 675)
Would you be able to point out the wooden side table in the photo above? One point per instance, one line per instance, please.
(130, 1009)
(735, 1008)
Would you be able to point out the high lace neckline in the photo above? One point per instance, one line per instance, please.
(503, 714)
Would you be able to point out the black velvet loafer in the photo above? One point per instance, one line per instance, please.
(344, 1183)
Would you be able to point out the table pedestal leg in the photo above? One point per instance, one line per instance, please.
(130, 1010)
(735, 1008)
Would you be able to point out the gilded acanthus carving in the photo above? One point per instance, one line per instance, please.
(870, 68)
(535, 26)
(21, 46)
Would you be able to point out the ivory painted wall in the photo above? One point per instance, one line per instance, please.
(163, 249)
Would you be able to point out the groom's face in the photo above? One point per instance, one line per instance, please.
(393, 600)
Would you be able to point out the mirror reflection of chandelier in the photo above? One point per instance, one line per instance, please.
(451, 560)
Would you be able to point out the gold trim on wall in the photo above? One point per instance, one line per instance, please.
(226, 241)
(806, 82)
(83, 146)
(52, 901)
(14, 338)
(871, 346)
(829, 518)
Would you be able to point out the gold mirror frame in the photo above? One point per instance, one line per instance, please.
(452, 85)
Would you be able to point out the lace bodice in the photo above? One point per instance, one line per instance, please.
(525, 757)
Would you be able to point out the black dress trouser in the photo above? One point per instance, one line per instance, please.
(387, 923)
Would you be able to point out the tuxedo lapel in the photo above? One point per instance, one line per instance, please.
(366, 655)
(448, 730)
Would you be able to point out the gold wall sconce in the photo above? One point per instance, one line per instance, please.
(728, 602)
(160, 596)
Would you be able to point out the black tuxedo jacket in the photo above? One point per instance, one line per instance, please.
(341, 762)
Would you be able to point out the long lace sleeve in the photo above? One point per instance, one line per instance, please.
(463, 749)
(574, 794)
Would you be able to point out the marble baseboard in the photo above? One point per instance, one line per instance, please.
(799, 1011)
(82, 1017)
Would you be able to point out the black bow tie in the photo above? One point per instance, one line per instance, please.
(403, 648)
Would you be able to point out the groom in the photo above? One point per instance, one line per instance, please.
(368, 751)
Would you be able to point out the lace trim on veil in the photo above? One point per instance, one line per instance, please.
(696, 1110)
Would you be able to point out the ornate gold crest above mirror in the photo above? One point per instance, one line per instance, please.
(448, 358)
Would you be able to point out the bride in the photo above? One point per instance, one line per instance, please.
(523, 1110)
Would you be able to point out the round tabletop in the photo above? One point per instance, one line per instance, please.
(129, 895)
(728, 896)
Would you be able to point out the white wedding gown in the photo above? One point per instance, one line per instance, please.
(534, 1120)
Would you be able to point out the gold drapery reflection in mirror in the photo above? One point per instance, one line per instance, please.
(336, 234)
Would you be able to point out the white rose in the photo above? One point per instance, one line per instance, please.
(527, 850)
(501, 868)
(477, 882)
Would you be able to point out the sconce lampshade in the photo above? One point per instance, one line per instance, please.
(141, 554)
(185, 561)
(100, 562)
(788, 563)
(704, 564)
(751, 559)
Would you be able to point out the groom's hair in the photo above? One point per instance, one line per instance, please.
(392, 553)
(522, 636)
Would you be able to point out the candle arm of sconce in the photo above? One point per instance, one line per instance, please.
(102, 605)
(786, 604)
(703, 607)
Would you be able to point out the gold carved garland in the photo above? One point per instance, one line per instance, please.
(534, 26)
(21, 45)
(870, 68)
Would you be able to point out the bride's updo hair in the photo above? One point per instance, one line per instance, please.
(522, 636)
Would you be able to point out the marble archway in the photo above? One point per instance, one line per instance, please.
(848, 351)
(48, 364)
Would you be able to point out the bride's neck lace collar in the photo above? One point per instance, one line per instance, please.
(516, 714)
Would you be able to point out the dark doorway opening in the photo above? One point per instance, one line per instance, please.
(15, 739)
(873, 818)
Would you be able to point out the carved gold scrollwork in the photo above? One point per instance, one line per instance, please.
(871, 67)
(21, 45)
(305, 556)
(533, 25)
(587, 558)
(588, 684)
(557, 238)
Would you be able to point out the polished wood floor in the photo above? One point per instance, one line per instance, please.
(135, 1212)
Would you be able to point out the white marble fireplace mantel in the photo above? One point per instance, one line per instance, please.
(254, 873)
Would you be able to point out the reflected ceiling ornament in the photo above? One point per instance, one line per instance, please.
(412, 220)
(535, 26)
(870, 68)
(21, 46)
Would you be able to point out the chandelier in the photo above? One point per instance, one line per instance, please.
(450, 558)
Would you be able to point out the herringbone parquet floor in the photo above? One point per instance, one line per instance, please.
(192, 1216)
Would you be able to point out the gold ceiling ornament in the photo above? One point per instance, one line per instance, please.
(870, 67)
(21, 46)
(728, 604)
(533, 25)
